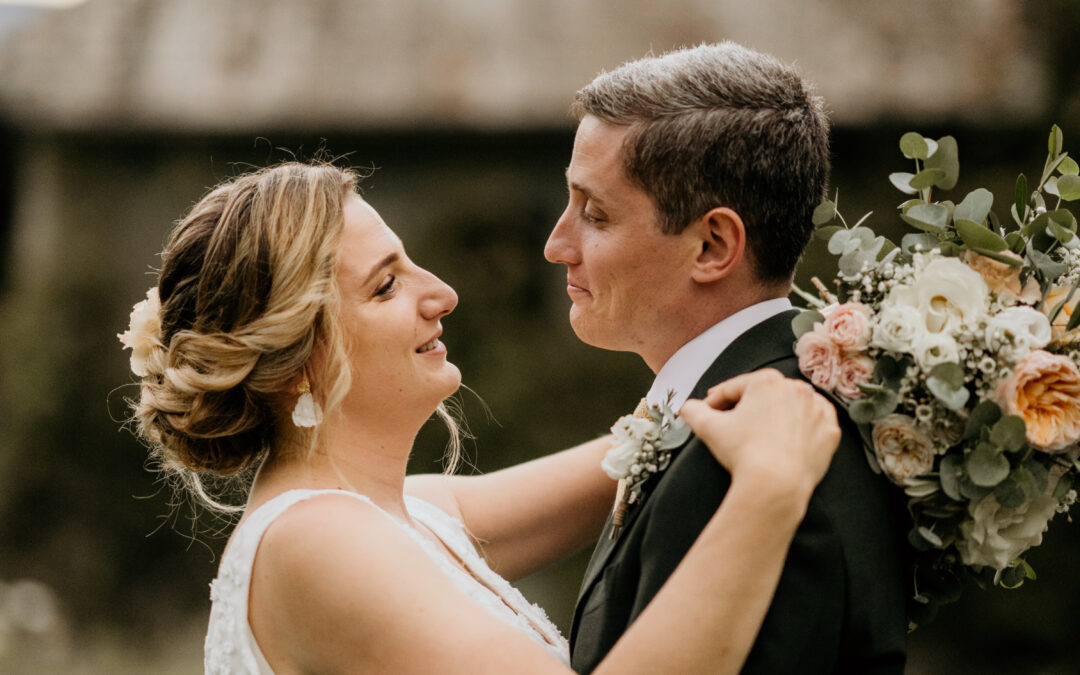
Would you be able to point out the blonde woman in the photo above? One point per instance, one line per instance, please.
(291, 333)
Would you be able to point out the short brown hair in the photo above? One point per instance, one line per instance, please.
(721, 125)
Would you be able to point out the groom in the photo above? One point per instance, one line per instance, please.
(692, 182)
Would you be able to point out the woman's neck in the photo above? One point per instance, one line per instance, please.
(368, 457)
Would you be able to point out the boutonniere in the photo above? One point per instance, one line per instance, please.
(642, 448)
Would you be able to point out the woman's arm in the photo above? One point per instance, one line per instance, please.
(370, 599)
(528, 516)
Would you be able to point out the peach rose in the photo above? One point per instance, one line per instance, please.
(848, 325)
(819, 358)
(902, 450)
(1044, 390)
(1053, 299)
(854, 370)
(1003, 279)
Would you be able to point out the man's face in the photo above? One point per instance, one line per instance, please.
(624, 276)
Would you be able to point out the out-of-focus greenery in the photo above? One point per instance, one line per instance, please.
(79, 512)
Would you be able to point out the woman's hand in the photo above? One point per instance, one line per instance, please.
(766, 427)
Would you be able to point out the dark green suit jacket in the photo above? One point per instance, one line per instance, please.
(840, 605)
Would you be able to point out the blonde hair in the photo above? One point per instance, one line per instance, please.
(248, 296)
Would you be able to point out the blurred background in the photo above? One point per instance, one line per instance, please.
(117, 115)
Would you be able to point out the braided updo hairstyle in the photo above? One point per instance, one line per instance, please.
(247, 295)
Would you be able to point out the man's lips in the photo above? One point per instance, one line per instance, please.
(573, 288)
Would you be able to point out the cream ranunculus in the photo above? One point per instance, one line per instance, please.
(996, 536)
(946, 293)
(1044, 390)
(902, 450)
(144, 331)
(896, 328)
(930, 349)
(1018, 330)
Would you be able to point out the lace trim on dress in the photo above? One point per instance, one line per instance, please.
(231, 647)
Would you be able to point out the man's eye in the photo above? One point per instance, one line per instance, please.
(591, 217)
(388, 287)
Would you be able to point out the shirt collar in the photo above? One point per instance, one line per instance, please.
(685, 367)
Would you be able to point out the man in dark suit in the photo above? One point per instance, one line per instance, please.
(692, 183)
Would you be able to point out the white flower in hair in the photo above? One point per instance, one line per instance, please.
(144, 331)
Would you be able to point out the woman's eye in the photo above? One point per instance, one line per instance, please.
(388, 286)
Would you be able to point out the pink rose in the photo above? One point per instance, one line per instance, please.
(1044, 390)
(854, 370)
(819, 358)
(848, 325)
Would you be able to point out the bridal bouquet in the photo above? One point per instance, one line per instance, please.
(957, 351)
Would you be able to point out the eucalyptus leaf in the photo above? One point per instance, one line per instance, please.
(825, 233)
(946, 158)
(1056, 140)
(927, 178)
(999, 256)
(902, 182)
(927, 217)
(1009, 494)
(973, 492)
(1074, 320)
(1009, 433)
(925, 241)
(976, 236)
(1069, 186)
(1040, 475)
(949, 249)
(1050, 187)
(889, 371)
(1060, 233)
(1064, 484)
(950, 471)
(1047, 266)
(804, 322)
(985, 414)
(953, 399)
(1068, 167)
(975, 206)
(930, 536)
(1016, 242)
(824, 213)
(986, 468)
(887, 247)
(1027, 483)
(1020, 199)
(951, 374)
(914, 146)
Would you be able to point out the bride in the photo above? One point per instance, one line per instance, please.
(291, 334)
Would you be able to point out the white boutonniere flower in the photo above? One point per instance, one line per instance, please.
(642, 449)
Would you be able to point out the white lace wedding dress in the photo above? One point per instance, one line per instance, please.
(230, 645)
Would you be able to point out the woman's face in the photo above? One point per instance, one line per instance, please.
(390, 314)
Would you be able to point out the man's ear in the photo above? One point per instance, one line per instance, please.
(722, 237)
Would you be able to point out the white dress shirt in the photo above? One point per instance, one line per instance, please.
(685, 367)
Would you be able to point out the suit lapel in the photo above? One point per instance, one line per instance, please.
(765, 343)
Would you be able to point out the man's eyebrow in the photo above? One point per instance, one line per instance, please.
(377, 267)
(578, 187)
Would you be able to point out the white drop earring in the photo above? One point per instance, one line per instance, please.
(307, 412)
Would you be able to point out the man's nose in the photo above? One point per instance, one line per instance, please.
(559, 247)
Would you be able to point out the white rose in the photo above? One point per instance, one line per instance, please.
(896, 328)
(946, 293)
(996, 536)
(1028, 328)
(617, 461)
(933, 348)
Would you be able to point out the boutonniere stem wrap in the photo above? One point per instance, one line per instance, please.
(642, 448)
